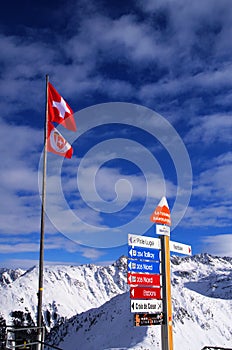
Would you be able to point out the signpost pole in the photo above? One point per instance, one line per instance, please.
(166, 328)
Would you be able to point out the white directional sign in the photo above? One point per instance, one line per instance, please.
(155, 243)
(162, 230)
(180, 248)
(144, 241)
(148, 306)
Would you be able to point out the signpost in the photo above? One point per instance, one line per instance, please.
(166, 329)
(143, 279)
(162, 216)
(151, 303)
(145, 293)
(143, 266)
(148, 306)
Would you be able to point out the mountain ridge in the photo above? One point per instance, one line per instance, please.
(85, 301)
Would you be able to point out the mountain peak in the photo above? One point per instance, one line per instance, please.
(7, 276)
(84, 304)
(121, 263)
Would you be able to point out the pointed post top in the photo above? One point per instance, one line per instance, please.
(161, 214)
(163, 202)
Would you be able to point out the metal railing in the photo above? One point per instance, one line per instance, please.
(14, 338)
(22, 337)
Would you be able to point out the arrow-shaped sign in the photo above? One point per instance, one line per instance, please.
(154, 243)
(145, 293)
(143, 279)
(143, 266)
(144, 241)
(144, 253)
(180, 248)
(148, 306)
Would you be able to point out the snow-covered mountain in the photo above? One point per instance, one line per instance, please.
(96, 301)
(68, 290)
(202, 309)
(8, 276)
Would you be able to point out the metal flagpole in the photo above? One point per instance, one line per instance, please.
(166, 328)
(41, 255)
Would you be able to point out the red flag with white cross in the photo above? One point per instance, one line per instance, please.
(58, 110)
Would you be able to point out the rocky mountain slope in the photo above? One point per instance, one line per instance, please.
(89, 308)
(68, 290)
(202, 307)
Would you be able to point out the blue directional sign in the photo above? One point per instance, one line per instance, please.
(143, 266)
(143, 253)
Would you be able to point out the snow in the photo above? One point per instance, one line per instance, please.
(68, 290)
(89, 305)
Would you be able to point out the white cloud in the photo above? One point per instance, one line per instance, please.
(218, 245)
(168, 39)
(19, 189)
(212, 190)
(26, 264)
(92, 253)
(173, 38)
(215, 183)
(19, 248)
(112, 38)
(210, 128)
(24, 245)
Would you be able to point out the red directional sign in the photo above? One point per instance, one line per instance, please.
(145, 293)
(143, 279)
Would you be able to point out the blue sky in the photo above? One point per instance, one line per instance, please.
(151, 86)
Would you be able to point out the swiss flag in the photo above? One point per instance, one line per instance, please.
(57, 144)
(58, 109)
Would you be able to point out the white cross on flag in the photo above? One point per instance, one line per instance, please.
(58, 110)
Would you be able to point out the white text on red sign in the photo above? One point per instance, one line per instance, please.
(145, 293)
(143, 279)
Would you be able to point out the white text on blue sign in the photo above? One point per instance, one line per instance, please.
(142, 266)
(143, 253)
